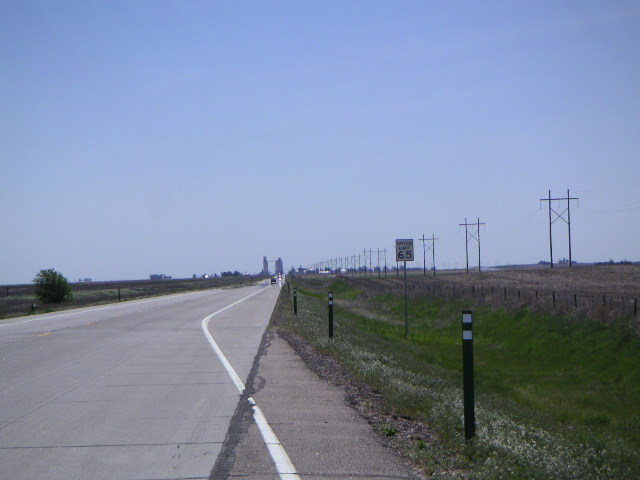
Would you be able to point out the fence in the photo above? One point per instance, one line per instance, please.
(603, 307)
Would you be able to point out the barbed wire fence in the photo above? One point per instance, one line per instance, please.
(604, 307)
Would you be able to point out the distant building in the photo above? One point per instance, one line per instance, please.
(159, 276)
(279, 269)
(265, 266)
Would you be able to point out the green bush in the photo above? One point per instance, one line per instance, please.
(52, 286)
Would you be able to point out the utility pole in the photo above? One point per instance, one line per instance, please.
(560, 216)
(475, 235)
(378, 263)
(385, 262)
(370, 264)
(424, 255)
(365, 261)
(432, 247)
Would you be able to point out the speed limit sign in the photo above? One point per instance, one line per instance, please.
(404, 250)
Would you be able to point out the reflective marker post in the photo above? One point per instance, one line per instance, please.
(330, 314)
(295, 301)
(467, 375)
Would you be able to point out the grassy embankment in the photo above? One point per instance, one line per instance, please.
(554, 398)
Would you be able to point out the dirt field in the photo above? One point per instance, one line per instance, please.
(619, 280)
(607, 293)
(17, 299)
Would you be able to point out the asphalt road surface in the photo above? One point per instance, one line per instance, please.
(127, 391)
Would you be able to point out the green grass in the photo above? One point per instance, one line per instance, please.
(554, 398)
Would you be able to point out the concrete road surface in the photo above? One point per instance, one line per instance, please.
(126, 391)
(155, 390)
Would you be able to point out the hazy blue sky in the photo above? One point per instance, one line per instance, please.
(141, 137)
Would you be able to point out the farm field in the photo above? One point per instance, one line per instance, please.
(608, 293)
(556, 392)
(595, 279)
(16, 300)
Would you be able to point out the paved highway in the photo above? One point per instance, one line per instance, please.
(127, 391)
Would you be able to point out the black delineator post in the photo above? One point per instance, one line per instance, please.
(295, 301)
(330, 314)
(119, 295)
(467, 375)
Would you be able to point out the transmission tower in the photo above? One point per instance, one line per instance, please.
(475, 234)
(424, 255)
(560, 216)
(432, 247)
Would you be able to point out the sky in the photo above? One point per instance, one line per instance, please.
(194, 137)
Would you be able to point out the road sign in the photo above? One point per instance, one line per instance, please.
(404, 250)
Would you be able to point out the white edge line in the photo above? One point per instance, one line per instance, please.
(285, 468)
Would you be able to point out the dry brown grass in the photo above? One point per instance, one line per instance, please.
(621, 280)
(606, 293)
(17, 299)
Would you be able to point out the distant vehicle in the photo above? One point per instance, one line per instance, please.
(273, 281)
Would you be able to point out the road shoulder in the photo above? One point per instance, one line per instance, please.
(322, 434)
